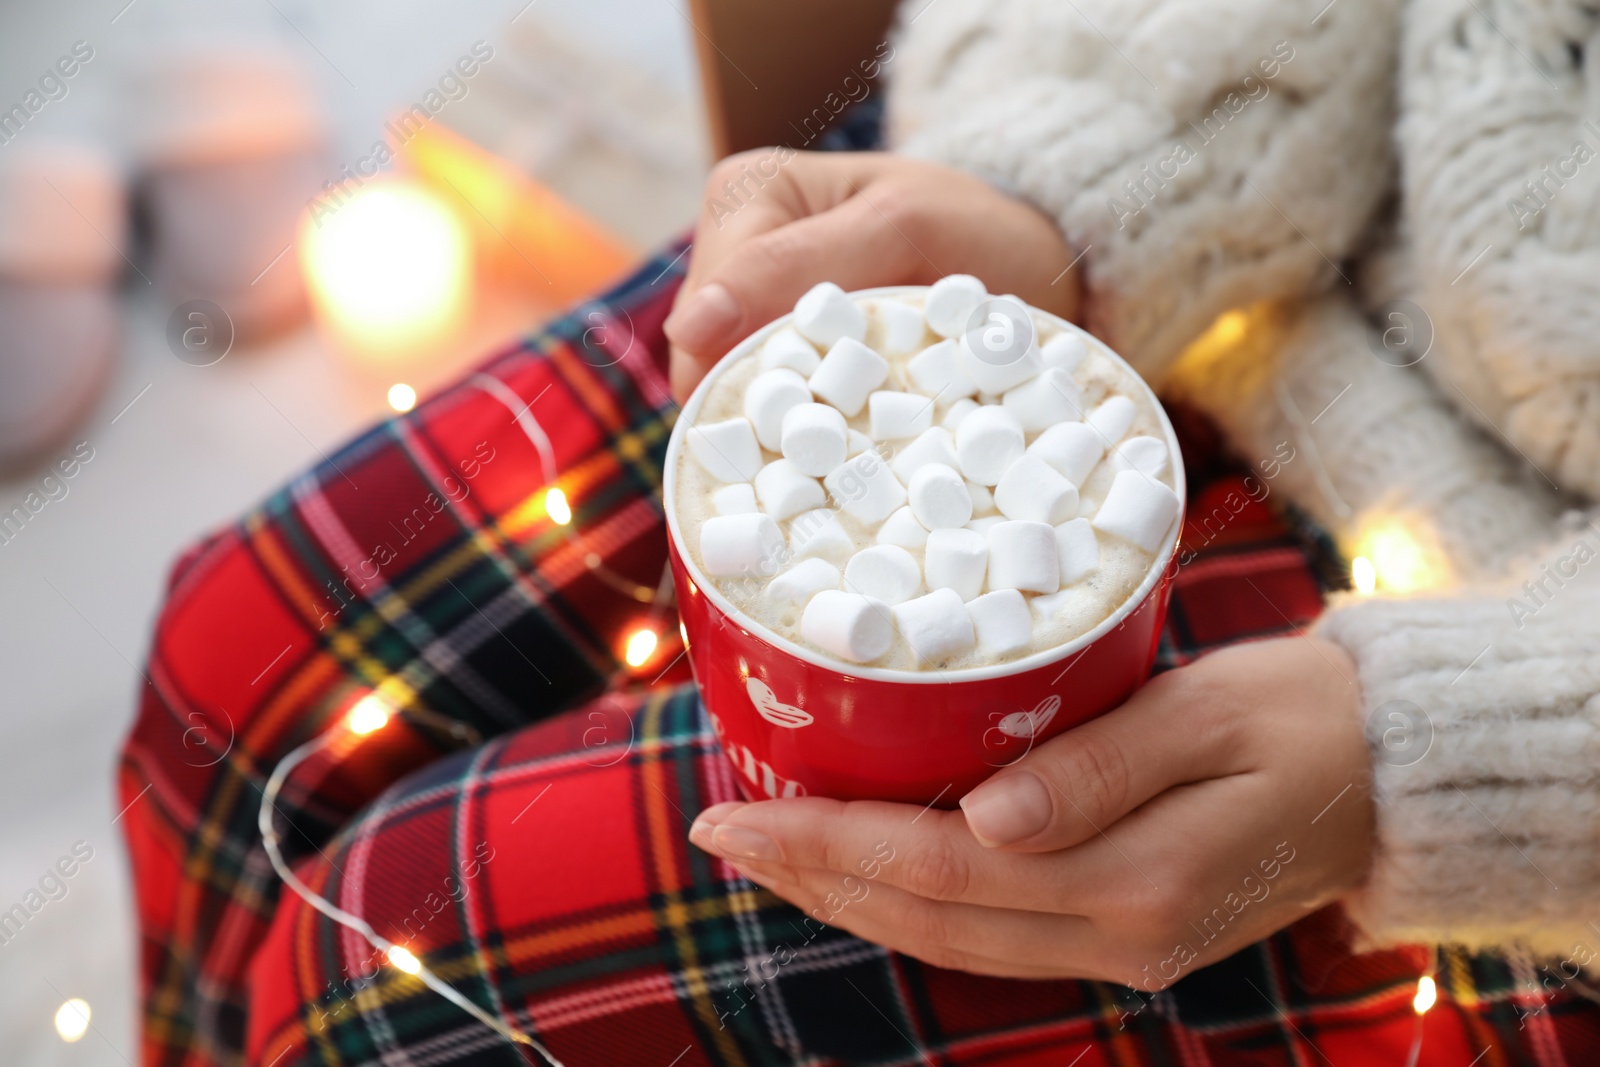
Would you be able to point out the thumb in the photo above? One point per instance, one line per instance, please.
(1072, 787)
(852, 244)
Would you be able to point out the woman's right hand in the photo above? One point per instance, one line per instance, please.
(777, 221)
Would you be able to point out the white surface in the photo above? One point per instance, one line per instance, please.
(202, 444)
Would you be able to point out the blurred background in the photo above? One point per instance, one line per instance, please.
(232, 234)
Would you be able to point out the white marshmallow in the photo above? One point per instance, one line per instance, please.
(814, 438)
(903, 529)
(1051, 398)
(825, 314)
(935, 626)
(950, 301)
(901, 328)
(734, 546)
(849, 625)
(786, 348)
(1072, 448)
(936, 372)
(784, 489)
(1145, 454)
(737, 499)
(1113, 419)
(982, 499)
(767, 398)
(998, 377)
(1064, 351)
(988, 441)
(727, 450)
(885, 572)
(1138, 509)
(939, 498)
(804, 580)
(956, 559)
(817, 533)
(847, 374)
(856, 443)
(1022, 555)
(865, 488)
(958, 411)
(1031, 489)
(935, 445)
(1046, 608)
(893, 415)
(1001, 622)
(984, 524)
(1077, 549)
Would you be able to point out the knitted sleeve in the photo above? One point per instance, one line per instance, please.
(1499, 138)
(1482, 704)
(1483, 716)
(1200, 154)
(1372, 451)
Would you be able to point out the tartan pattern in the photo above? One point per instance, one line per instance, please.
(545, 873)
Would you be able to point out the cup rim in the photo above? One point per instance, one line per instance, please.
(1043, 658)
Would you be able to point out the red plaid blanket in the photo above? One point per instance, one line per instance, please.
(545, 873)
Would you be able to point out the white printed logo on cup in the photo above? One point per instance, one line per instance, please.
(774, 710)
(1028, 725)
(1000, 738)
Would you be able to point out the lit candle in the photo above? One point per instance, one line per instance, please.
(390, 270)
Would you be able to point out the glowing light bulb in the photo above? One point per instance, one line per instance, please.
(1229, 327)
(1363, 575)
(369, 714)
(641, 646)
(72, 1020)
(1427, 994)
(556, 506)
(402, 397)
(389, 269)
(403, 960)
(1403, 556)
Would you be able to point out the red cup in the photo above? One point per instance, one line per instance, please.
(795, 722)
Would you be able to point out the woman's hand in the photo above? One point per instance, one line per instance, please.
(1224, 801)
(777, 221)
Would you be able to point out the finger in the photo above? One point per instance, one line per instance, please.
(700, 829)
(958, 936)
(1070, 788)
(855, 245)
(926, 852)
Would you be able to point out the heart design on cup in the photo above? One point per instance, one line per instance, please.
(774, 710)
(1028, 725)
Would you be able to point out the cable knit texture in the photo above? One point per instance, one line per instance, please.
(1500, 140)
(1492, 109)
(1370, 439)
(1067, 104)
(1492, 838)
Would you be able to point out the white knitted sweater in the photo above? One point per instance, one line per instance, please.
(1305, 164)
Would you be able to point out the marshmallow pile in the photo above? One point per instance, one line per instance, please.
(916, 492)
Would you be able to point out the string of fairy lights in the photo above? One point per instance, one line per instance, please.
(373, 712)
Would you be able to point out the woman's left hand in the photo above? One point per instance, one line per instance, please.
(1224, 801)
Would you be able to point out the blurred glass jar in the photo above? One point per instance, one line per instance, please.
(63, 219)
(232, 144)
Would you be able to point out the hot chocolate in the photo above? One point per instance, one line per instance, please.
(934, 480)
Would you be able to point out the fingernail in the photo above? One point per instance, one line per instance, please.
(1007, 809)
(745, 843)
(705, 318)
(700, 834)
